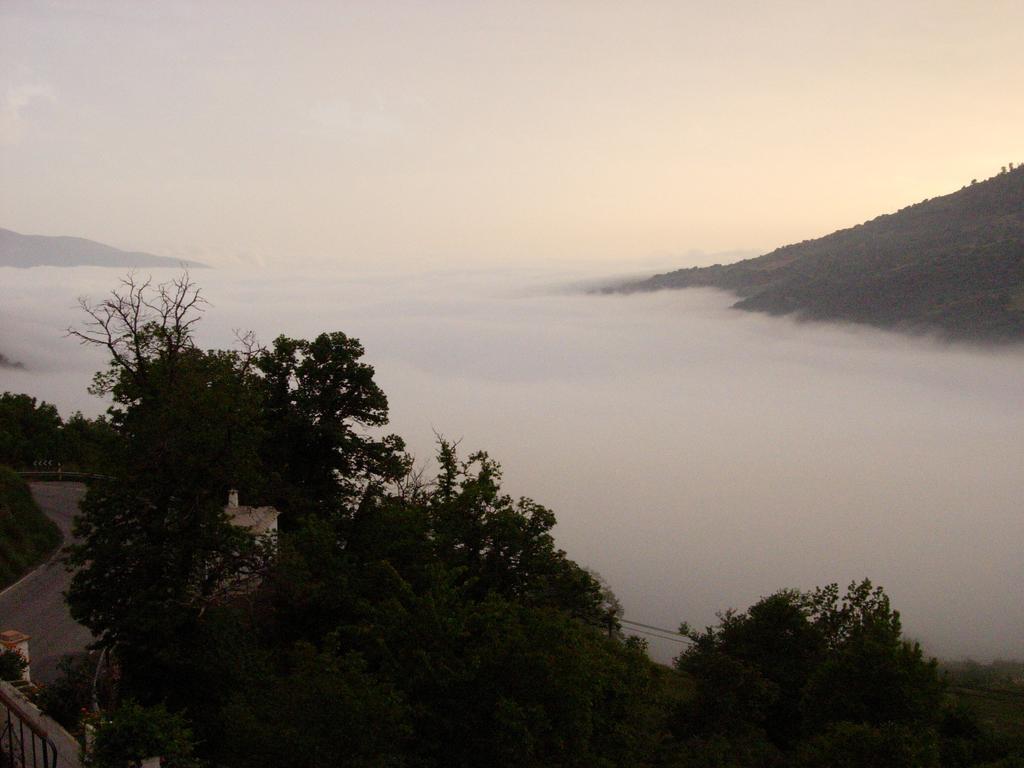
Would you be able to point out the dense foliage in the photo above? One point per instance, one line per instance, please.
(993, 694)
(397, 620)
(815, 678)
(26, 534)
(131, 734)
(12, 665)
(33, 432)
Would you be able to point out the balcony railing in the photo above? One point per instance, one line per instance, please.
(22, 743)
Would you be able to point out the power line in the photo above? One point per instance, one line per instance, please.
(656, 629)
(649, 626)
(632, 626)
(660, 637)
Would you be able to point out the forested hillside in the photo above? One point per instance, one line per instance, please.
(26, 534)
(952, 265)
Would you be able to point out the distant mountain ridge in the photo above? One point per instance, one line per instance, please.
(17, 250)
(952, 265)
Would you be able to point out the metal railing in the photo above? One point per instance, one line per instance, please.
(22, 743)
(61, 475)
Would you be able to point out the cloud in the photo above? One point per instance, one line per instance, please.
(16, 108)
(371, 117)
(696, 456)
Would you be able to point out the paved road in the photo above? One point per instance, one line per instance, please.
(35, 605)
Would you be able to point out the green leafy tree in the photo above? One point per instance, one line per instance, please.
(29, 431)
(315, 708)
(132, 733)
(752, 668)
(32, 431)
(871, 675)
(319, 399)
(505, 546)
(796, 664)
(155, 547)
(429, 624)
(12, 665)
(88, 444)
(859, 745)
(455, 596)
(70, 695)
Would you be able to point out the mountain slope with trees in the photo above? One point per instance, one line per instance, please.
(953, 265)
(26, 534)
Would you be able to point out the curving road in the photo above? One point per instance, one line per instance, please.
(35, 605)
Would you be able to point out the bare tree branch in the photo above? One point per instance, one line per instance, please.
(140, 320)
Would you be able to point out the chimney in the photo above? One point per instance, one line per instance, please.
(232, 499)
(13, 640)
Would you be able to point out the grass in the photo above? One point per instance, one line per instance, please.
(1017, 300)
(27, 536)
(999, 708)
(995, 692)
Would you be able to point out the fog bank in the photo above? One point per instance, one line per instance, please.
(697, 457)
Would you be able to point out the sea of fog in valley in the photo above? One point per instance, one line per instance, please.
(696, 456)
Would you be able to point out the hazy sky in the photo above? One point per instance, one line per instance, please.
(494, 132)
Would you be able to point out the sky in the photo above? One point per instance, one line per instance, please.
(425, 134)
(695, 456)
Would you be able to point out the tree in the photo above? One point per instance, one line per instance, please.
(88, 444)
(871, 675)
(795, 664)
(315, 708)
(751, 669)
(455, 597)
(505, 546)
(132, 733)
(427, 624)
(318, 400)
(183, 420)
(29, 431)
(12, 665)
(858, 745)
(287, 424)
(186, 418)
(32, 431)
(71, 695)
